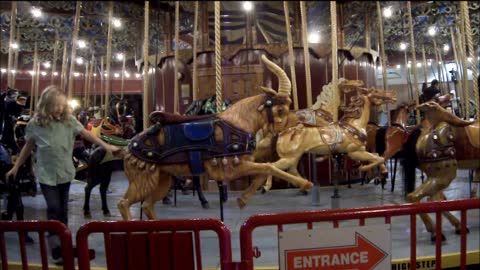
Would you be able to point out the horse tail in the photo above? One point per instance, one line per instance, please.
(380, 140)
(143, 177)
(410, 161)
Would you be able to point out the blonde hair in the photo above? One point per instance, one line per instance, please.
(45, 105)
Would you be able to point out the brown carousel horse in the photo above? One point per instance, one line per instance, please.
(220, 147)
(440, 146)
(388, 141)
(116, 129)
(345, 136)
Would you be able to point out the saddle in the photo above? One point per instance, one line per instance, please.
(190, 142)
(309, 116)
(171, 118)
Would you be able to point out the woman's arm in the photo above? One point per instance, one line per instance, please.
(24, 154)
(89, 136)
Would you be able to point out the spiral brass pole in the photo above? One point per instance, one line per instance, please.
(468, 32)
(306, 54)
(177, 60)
(414, 58)
(76, 28)
(145, 66)
(383, 57)
(108, 76)
(195, 45)
(291, 59)
(13, 19)
(218, 58)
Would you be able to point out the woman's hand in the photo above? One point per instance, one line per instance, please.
(116, 151)
(12, 172)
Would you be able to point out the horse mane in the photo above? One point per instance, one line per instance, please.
(355, 109)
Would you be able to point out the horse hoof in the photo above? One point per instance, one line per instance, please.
(459, 231)
(107, 213)
(205, 205)
(307, 186)
(241, 204)
(87, 215)
(433, 238)
(303, 192)
(166, 201)
(263, 190)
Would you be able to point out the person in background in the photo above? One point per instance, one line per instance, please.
(51, 135)
(430, 92)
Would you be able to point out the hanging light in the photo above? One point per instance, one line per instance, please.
(247, 6)
(120, 56)
(36, 12)
(446, 47)
(117, 23)
(46, 64)
(399, 66)
(82, 44)
(432, 31)
(79, 60)
(387, 12)
(314, 38)
(403, 46)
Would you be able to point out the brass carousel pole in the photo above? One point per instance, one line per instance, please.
(414, 58)
(123, 76)
(85, 85)
(15, 59)
(468, 32)
(306, 54)
(109, 58)
(71, 80)
(459, 93)
(177, 61)
(145, 67)
(384, 60)
(32, 90)
(195, 44)
(424, 66)
(55, 58)
(291, 59)
(218, 58)
(63, 72)
(102, 84)
(463, 52)
(13, 19)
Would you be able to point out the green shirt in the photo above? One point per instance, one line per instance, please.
(53, 162)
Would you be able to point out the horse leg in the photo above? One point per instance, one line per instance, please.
(92, 182)
(198, 188)
(373, 160)
(157, 194)
(450, 217)
(246, 194)
(105, 182)
(268, 184)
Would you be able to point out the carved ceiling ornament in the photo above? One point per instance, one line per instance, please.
(268, 17)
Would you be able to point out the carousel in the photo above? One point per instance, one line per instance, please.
(270, 113)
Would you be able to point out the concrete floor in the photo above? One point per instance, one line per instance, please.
(272, 202)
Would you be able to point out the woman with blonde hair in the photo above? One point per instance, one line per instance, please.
(51, 135)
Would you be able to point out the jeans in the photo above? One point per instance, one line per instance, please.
(56, 198)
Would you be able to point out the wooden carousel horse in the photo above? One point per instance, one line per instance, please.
(205, 106)
(345, 136)
(117, 129)
(442, 144)
(220, 147)
(388, 141)
(321, 114)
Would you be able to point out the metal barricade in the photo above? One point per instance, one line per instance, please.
(41, 227)
(156, 244)
(361, 214)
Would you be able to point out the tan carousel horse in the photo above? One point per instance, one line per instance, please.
(220, 147)
(445, 143)
(345, 136)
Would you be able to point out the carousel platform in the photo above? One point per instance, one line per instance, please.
(275, 201)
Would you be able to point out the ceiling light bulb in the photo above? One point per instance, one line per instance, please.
(403, 46)
(116, 22)
(120, 56)
(432, 31)
(313, 38)
(79, 60)
(82, 44)
(247, 6)
(387, 12)
(446, 47)
(46, 64)
(36, 12)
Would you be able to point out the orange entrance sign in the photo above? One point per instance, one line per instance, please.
(362, 255)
